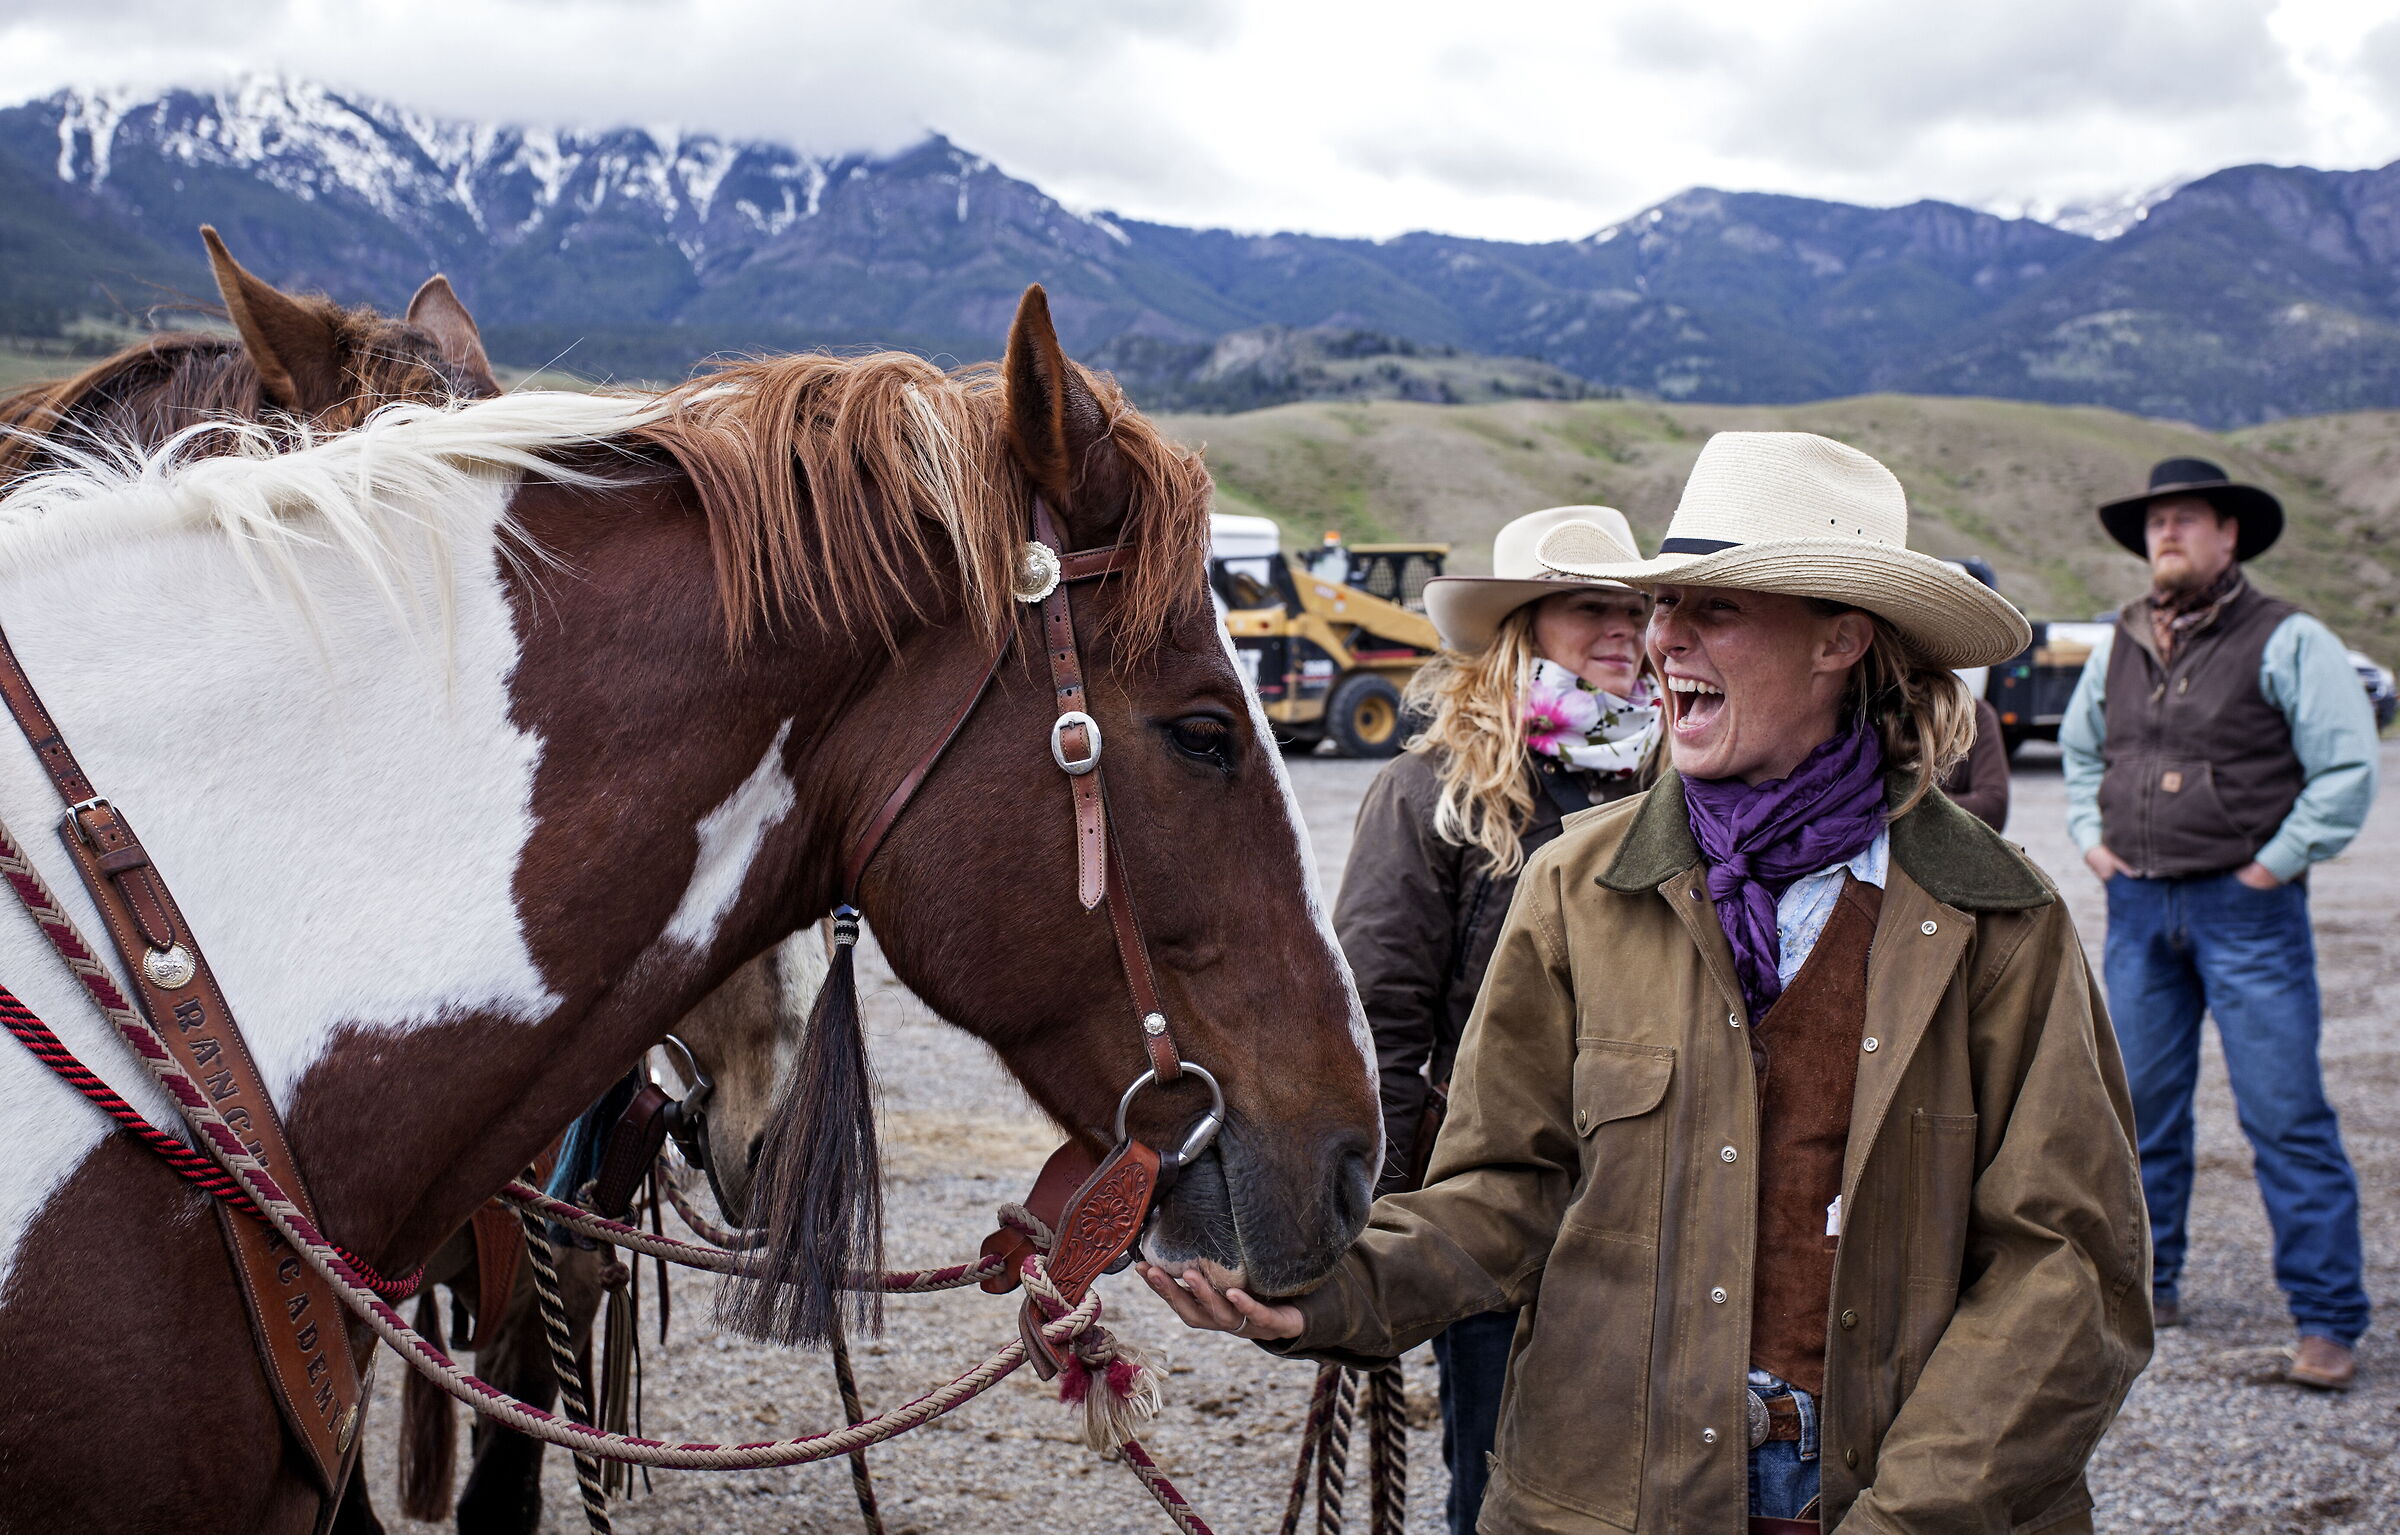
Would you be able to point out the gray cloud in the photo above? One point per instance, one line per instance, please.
(1530, 118)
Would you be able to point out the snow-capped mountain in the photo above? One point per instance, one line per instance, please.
(439, 179)
(2253, 292)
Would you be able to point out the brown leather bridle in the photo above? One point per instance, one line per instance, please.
(1096, 1225)
(1047, 576)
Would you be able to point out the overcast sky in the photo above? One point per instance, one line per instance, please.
(1514, 119)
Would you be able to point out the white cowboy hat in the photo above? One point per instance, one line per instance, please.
(1804, 515)
(1468, 610)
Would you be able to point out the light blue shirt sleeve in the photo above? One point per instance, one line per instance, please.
(2081, 734)
(2305, 674)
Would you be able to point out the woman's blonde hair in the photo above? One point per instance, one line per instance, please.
(1473, 706)
(1475, 709)
(1924, 714)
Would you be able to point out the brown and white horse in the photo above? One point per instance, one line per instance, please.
(481, 745)
(304, 360)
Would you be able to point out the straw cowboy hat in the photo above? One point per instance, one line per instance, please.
(1810, 517)
(1468, 610)
(2259, 514)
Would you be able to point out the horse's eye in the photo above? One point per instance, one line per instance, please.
(1204, 737)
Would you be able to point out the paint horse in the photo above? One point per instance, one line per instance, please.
(301, 358)
(481, 745)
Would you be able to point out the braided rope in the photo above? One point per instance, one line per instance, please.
(1333, 1464)
(543, 1260)
(1312, 1439)
(1387, 1441)
(726, 1258)
(731, 1238)
(1067, 1328)
(862, 1483)
(42, 905)
(1163, 1491)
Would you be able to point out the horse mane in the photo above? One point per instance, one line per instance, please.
(892, 453)
(174, 380)
(826, 481)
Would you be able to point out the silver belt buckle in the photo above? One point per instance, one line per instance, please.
(1758, 1418)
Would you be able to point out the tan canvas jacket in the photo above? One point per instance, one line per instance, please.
(1990, 1304)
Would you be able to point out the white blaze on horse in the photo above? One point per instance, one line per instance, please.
(479, 746)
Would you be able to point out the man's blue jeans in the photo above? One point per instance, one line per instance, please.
(2175, 948)
(1473, 1357)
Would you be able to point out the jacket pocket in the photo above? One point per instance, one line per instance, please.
(1617, 1091)
(1575, 1418)
(2193, 828)
(1941, 1195)
(1574, 1425)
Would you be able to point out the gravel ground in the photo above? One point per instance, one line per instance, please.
(2210, 1441)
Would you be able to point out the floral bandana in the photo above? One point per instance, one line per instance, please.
(1570, 721)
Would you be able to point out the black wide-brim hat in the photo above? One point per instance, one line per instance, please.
(2259, 515)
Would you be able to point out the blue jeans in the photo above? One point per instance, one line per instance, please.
(2175, 948)
(1783, 1472)
(1472, 1356)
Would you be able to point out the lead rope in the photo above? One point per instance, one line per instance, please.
(1339, 1396)
(564, 1365)
(862, 1483)
(1065, 1327)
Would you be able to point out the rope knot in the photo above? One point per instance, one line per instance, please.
(1118, 1386)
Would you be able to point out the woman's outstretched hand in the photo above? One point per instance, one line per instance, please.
(1201, 1305)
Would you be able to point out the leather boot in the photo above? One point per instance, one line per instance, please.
(2322, 1363)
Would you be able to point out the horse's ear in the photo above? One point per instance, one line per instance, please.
(436, 310)
(1054, 422)
(292, 344)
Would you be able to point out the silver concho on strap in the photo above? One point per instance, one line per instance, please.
(169, 968)
(1037, 572)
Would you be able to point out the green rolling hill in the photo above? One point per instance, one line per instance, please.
(2013, 482)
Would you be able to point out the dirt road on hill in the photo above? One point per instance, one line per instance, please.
(2208, 1443)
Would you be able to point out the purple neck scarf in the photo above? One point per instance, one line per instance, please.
(1757, 840)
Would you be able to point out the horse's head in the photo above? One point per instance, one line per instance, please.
(334, 366)
(292, 355)
(973, 894)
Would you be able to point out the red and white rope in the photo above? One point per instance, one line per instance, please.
(1072, 1330)
(42, 906)
(727, 1258)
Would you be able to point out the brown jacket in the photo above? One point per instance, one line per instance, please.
(1990, 1305)
(1417, 918)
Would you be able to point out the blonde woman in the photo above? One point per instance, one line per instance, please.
(1789, 1114)
(1539, 706)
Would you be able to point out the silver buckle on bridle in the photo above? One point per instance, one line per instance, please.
(1058, 743)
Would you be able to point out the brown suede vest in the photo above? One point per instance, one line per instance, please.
(1806, 1052)
(2200, 766)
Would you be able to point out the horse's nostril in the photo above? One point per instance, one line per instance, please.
(1352, 1188)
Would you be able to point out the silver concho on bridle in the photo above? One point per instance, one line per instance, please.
(1037, 572)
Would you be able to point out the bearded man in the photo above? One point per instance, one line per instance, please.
(2217, 746)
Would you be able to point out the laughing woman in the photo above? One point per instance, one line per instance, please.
(1539, 706)
(1788, 1114)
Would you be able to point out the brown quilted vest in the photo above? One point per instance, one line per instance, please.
(2200, 767)
(1806, 1053)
